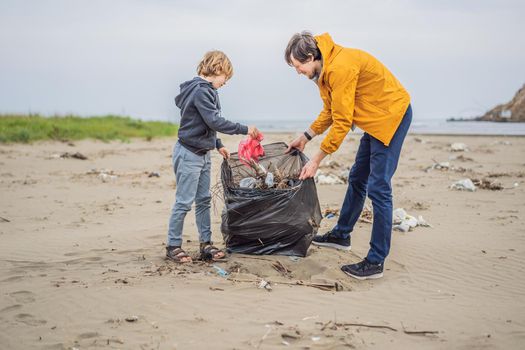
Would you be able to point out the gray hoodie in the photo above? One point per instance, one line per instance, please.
(201, 118)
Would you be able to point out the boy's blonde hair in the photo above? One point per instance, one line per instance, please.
(215, 63)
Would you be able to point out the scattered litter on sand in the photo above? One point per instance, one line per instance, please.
(487, 184)
(331, 173)
(153, 174)
(463, 185)
(132, 318)
(264, 285)
(221, 272)
(65, 155)
(105, 177)
(331, 164)
(422, 222)
(328, 179)
(76, 155)
(458, 147)
(103, 174)
(366, 215)
(404, 222)
(283, 270)
(444, 166)
(472, 185)
(329, 213)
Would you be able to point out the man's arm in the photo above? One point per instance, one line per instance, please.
(323, 121)
(342, 110)
(343, 87)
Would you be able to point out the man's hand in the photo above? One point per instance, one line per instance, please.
(253, 132)
(224, 152)
(298, 143)
(310, 168)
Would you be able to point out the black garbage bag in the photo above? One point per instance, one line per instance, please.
(281, 219)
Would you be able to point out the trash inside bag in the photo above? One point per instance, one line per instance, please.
(248, 182)
(279, 215)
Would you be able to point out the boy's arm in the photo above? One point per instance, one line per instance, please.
(212, 116)
(218, 144)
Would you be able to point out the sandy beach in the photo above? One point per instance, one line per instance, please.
(82, 257)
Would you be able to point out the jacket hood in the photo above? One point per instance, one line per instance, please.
(327, 47)
(187, 88)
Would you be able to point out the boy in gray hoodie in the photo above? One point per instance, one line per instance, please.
(201, 119)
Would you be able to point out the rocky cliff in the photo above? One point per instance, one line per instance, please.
(513, 111)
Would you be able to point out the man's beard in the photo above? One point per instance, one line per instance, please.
(315, 76)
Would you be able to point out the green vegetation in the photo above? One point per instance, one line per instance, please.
(29, 128)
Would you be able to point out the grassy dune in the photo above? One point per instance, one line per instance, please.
(29, 128)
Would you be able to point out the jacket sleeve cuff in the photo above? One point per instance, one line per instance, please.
(243, 130)
(218, 144)
(315, 129)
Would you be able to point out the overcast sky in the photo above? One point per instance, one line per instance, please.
(456, 58)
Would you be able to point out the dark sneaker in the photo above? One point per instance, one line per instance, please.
(330, 240)
(363, 270)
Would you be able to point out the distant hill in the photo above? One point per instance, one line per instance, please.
(513, 111)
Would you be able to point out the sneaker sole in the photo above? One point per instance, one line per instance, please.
(333, 245)
(362, 278)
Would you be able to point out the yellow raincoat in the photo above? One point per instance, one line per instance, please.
(356, 88)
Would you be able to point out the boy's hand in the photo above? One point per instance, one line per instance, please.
(224, 152)
(298, 143)
(253, 132)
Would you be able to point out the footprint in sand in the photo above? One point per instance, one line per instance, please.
(88, 335)
(29, 320)
(93, 259)
(10, 308)
(13, 278)
(23, 296)
(72, 254)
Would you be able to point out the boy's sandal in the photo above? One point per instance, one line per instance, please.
(178, 255)
(209, 252)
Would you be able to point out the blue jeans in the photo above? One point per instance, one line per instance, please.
(374, 166)
(192, 174)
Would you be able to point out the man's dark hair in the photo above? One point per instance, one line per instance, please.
(301, 46)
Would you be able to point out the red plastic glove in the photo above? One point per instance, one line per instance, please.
(251, 149)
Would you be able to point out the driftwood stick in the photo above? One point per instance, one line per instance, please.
(417, 332)
(325, 325)
(366, 325)
(420, 332)
(255, 257)
(323, 286)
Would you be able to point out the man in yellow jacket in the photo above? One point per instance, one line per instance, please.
(357, 90)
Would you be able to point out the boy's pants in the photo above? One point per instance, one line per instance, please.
(192, 174)
(372, 171)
